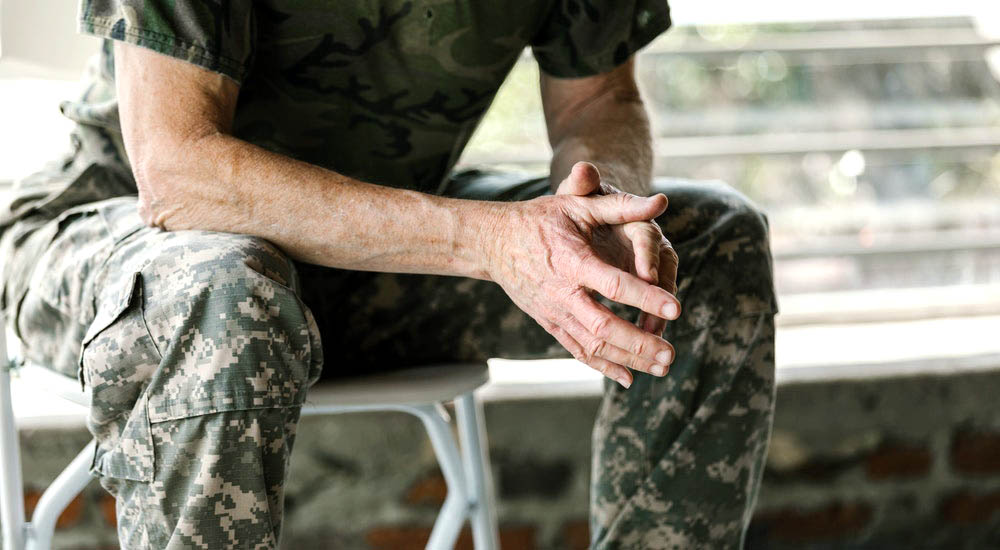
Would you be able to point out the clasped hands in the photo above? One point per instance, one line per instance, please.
(550, 254)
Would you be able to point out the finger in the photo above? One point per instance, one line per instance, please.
(625, 288)
(653, 325)
(668, 264)
(582, 180)
(622, 208)
(668, 281)
(605, 325)
(645, 238)
(597, 347)
(611, 370)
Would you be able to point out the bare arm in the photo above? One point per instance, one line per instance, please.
(192, 174)
(600, 119)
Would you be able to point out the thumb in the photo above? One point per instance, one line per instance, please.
(584, 179)
(624, 208)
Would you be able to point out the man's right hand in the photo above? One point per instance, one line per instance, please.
(540, 253)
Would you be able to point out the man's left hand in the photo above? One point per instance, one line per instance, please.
(637, 247)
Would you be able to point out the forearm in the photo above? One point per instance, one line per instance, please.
(221, 183)
(613, 133)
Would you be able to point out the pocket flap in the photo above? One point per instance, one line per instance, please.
(119, 303)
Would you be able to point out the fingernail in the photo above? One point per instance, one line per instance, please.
(659, 370)
(664, 357)
(624, 382)
(670, 311)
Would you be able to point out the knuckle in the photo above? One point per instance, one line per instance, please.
(613, 286)
(596, 347)
(672, 256)
(667, 249)
(639, 347)
(649, 298)
(601, 326)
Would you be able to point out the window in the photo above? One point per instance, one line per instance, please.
(869, 133)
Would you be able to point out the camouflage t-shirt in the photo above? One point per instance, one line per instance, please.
(386, 91)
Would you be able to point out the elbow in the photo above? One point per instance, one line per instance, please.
(151, 179)
(168, 172)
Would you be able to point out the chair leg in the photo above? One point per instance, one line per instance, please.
(456, 504)
(11, 484)
(472, 432)
(67, 485)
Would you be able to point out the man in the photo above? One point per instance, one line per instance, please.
(292, 164)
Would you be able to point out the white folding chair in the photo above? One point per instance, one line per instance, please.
(420, 392)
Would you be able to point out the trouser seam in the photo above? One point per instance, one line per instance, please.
(225, 411)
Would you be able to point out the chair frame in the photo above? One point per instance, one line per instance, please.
(470, 488)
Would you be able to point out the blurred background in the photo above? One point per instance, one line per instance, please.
(870, 134)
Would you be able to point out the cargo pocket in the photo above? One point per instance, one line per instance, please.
(117, 360)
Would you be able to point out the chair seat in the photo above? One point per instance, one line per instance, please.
(416, 391)
(55, 383)
(418, 385)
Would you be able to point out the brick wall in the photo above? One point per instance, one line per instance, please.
(906, 462)
(909, 462)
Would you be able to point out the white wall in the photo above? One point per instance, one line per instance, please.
(38, 39)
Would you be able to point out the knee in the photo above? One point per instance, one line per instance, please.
(219, 277)
(749, 219)
(221, 262)
(225, 314)
(710, 211)
(722, 239)
(742, 232)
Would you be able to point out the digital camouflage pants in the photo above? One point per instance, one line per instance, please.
(200, 347)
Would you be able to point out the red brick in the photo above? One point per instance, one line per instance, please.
(976, 452)
(69, 516)
(397, 538)
(108, 510)
(576, 535)
(519, 537)
(31, 499)
(837, 520)
(965, 508)
(429, 490)
(898, 461)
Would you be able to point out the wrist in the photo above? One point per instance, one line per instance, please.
(477, 235)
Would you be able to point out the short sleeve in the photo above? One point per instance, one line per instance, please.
(214, 34)
(587, 37)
